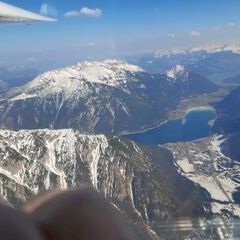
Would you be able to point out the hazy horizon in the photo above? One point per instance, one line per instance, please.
(115, 29)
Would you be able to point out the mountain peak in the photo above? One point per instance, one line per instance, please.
(100, 71)
(108, 72)
(75, 78)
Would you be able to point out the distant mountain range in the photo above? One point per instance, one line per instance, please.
(101, 97)
(14, 77)
(211, 48)
(214, 62)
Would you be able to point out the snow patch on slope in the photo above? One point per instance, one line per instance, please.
(177, 70)
(185, 165)
(96, 155)
(51, 165)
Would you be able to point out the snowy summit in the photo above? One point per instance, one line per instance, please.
(109, 72)
(76, 78)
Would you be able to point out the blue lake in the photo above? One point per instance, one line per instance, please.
(195, 125)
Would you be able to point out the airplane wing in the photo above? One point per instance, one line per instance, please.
(11, 14)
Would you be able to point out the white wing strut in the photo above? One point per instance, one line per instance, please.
(11, 14)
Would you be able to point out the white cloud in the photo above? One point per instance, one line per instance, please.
(195, 34)
(71, 14)
(172, 35)
(91, 12)
(91, 44)
(85, 11)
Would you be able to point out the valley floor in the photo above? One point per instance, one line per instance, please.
(196, 101)
(203, 163)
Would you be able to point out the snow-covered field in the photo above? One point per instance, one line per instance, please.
(203, 163)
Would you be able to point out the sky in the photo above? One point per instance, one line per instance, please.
(97, 29)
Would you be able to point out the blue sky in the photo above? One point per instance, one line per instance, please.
(109, 28)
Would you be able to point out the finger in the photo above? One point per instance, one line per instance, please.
(78, 215)
(15, 225)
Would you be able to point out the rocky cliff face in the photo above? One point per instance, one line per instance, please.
(142, 184)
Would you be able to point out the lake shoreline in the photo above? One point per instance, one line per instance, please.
(186, 104)
(144, 130)
(192, 109)
(195, 124)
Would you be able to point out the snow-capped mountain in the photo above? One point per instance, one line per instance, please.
(188, 82)
(137, 181)
(215, 62)
(102, 97)
(75, 78)
(211, 48)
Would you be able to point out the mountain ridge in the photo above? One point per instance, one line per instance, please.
(116, 97)
(138, 181)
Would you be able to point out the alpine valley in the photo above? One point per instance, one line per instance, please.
(64, 129)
